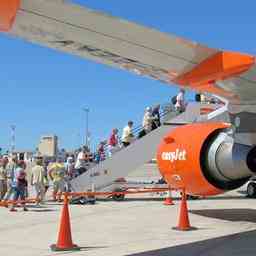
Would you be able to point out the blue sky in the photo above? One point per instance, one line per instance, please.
(43, 91)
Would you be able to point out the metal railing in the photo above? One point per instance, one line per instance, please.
(164, 111)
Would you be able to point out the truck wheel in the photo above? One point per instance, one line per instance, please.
(118, 197)
(191, 197)
(251, 190)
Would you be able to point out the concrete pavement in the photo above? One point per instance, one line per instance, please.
(226, 226)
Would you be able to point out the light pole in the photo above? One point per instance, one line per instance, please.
(13, 127)
(87, 110)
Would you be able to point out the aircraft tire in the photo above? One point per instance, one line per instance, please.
(251, 190)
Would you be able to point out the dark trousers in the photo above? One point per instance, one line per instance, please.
(19, 192)
(126, 144)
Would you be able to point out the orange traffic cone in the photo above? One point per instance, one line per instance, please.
(64, 242)
(184, 224)
(168, 200)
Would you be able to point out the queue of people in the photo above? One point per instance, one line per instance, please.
(13, 183)
(14, 180)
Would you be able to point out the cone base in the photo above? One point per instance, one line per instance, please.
(55, 248)
(184, 229)
(168, 202)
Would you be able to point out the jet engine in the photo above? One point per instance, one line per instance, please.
(204, 159)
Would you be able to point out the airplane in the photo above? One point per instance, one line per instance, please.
(206, 158)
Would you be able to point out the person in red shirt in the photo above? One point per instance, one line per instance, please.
(113, 142)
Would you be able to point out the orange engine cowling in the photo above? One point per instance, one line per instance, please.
(182, 160)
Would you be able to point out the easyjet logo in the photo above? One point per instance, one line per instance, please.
(175, 155)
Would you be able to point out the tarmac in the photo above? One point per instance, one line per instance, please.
(226, 225)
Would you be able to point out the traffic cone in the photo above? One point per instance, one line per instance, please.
(184, 224)
(168, 200)
(64, 242)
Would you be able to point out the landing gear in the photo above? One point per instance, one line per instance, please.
(251, 190)
(82, 200)
(118, 197)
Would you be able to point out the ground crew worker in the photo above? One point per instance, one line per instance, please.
(57, 175)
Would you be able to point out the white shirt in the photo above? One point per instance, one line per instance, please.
(180, 101)
(37, 174)
(80, 162)
(147, 121)
(126, 136)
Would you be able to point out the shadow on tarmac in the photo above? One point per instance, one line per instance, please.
(138, 199)
(248, 215)
(42, 210)
(242, 244)
(92, 248)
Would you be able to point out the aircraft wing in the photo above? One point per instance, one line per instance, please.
(109, 40)
(105, 39)
(89, 34)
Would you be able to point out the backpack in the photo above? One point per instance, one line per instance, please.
(174, 100)
(198, 97)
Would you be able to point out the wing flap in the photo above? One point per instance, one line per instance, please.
(112, 41)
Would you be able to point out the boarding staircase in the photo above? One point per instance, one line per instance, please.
(141, 150)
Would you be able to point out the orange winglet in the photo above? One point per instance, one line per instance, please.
(220, 66)
(8, 11)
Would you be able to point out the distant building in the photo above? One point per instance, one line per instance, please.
(48, 146)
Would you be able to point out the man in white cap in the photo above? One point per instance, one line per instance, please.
(180, 105)
(127, 136)
(147, 120)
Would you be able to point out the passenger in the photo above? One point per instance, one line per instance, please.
(70, 171)
(180, 105)
(147, 120)
(100, 153)
(10, 168)
(80, 165)
(113, 143)
(156, 117)
(37, 180)
(3, 179)
(19, 185)
(5, 160)
(203, 98)
(70, 167)
(198, 97)
(57, 175)
(127, 136)
(46, 180)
